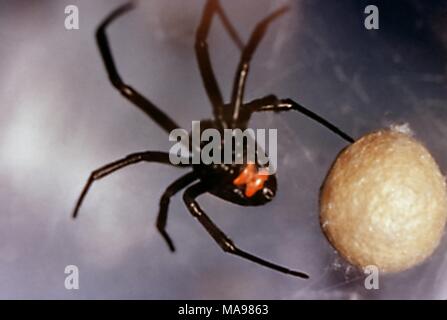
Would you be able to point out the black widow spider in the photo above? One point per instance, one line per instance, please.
(224, 181)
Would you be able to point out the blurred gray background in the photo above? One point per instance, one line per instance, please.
(60, 118)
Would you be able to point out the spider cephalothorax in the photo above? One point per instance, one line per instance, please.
(247, 183)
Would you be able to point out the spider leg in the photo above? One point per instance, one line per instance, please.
(148, 156)
(128, 92)
(222, 240)
(203, 58)
(271, 103)
(243, 67)
(228, 26)
(175, 187)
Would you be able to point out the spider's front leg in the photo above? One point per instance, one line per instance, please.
(272, 103)
(173, 188)
(147, 156)
(222, 240)
(240, 79)
(150, 109)
(212, 89)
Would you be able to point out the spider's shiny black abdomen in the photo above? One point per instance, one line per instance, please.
(220, 177)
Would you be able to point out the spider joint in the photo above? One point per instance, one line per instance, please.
(228, 246)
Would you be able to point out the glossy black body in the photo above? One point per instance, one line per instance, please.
(219, 177)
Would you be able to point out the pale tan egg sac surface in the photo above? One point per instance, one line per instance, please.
(384, 202)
